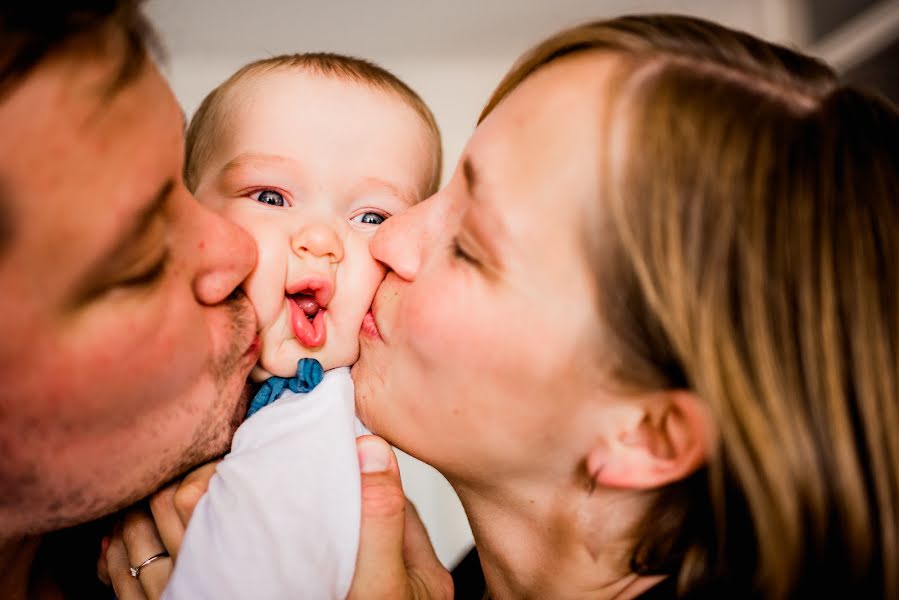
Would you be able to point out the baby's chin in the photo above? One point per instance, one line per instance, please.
(281, 359)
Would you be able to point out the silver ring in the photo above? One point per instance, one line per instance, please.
(135, 571)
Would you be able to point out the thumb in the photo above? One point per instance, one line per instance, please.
(380, 569)
(191, 489)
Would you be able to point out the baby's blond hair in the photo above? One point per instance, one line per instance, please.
(205, 126)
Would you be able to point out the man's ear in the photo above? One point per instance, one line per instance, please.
(664, 439)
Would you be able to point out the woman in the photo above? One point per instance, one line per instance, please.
(649, 330)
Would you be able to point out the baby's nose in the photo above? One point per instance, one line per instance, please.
(319, 240)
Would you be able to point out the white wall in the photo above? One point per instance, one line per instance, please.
(452, 54)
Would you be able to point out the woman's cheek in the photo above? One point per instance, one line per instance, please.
(436, 324)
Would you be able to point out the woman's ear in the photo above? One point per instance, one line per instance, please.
(665, 438)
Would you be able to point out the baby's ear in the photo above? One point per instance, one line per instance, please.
(664, 438)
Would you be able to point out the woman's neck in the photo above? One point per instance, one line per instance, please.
(554, 541)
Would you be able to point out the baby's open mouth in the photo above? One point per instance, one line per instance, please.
(308, 301)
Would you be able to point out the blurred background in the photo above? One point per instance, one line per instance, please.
(454, 53)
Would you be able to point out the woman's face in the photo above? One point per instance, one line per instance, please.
(481, 356)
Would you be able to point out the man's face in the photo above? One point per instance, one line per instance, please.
(123, 346)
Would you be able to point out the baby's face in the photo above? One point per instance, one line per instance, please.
(310, 167)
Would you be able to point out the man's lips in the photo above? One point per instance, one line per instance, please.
(254, 348)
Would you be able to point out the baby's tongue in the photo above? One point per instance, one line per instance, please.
(307, 304)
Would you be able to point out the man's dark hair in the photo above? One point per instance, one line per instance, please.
(31, 31)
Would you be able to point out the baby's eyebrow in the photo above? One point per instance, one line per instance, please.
(250, 159)
(405, 195)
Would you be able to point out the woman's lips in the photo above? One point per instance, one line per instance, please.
(311, 334)
(369, 327)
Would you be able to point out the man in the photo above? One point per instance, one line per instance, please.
(125, 341)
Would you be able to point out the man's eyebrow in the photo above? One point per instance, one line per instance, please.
(139, 223)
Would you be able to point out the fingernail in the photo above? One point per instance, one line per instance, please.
(373, 457)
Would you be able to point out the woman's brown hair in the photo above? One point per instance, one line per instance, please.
(750, 236)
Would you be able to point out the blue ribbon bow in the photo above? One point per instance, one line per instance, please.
(309, 374)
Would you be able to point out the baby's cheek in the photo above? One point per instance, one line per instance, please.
(265, 287)
(280, 351)
(373, 274)
(266, 304)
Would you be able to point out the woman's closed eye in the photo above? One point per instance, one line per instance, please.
(460, 253)
(269, 197)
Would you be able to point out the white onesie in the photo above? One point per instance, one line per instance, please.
(281, 517)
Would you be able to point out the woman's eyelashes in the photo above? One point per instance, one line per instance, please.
(460, 253)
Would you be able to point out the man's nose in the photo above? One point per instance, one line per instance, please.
(227, 254)
(318, 239)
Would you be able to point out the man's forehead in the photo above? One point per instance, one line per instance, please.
(77, 162)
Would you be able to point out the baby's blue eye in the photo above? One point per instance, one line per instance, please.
(270, 197)
(370, 218)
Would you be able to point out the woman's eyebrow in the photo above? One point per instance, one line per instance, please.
(471, 176)
(476, 188)
(485, 223)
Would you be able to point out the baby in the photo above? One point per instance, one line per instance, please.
(309, 153)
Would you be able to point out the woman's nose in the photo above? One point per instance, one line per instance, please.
(317, 239)
(401, 240)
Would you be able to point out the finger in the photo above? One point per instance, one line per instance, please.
(125, 586)
(191, 489)
(427, 576)
(380, 570)
(417, 547)
(102, 567)
(141, 542)
(168, 522)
